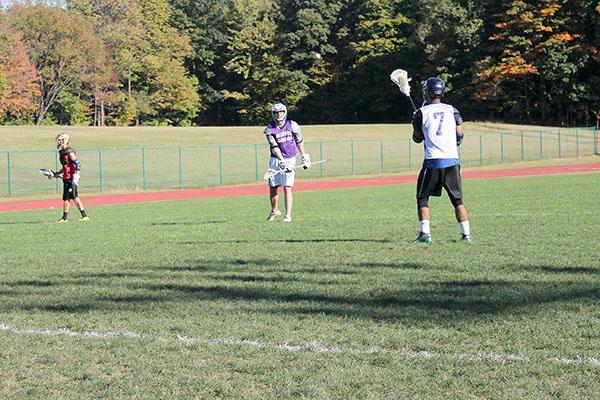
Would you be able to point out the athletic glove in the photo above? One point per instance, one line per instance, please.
(306, 161)
(283, 166)
(459, 139)
(75, 180)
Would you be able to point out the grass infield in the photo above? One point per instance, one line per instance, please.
(205, 299)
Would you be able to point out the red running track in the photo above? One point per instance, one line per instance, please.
(256, 189)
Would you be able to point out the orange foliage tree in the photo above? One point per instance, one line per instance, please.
(19, 84)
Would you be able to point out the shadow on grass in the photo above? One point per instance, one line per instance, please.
(35, 283)
(265, 288)
(380, 265)
(565, 270)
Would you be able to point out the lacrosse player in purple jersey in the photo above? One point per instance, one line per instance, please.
(439, 125)
(285, 139)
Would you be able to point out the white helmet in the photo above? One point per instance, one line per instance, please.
(278, 107)
(62, 139)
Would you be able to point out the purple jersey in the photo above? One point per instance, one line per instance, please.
(286, 138)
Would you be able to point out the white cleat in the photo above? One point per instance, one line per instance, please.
(287, 218)
(273, 215)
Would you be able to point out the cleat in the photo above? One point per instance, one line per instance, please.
(423, 238)
(466, 239)
(273, 215)
(62, 221)
(84, 219)
(287, 218)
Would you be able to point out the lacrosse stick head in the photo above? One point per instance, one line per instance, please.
(45, 172)
(400, 78)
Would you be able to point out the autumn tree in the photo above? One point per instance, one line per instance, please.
(531, 71)
(19, 85)
(61, 45)
(145, 56)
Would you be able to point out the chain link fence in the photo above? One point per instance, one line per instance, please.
(183, 167)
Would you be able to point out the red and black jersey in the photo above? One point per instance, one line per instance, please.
(68, 165)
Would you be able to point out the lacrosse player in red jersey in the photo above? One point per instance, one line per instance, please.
(71, 166)
(285, 139)
(439, 125)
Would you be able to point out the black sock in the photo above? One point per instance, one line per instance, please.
(65, 215)
(83, 214)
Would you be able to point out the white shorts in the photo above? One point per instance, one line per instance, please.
(284, 178)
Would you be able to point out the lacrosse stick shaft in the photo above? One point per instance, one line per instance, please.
(412, 103)
(277, 172)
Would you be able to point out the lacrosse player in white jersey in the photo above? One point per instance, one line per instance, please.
(285, 140)
(439, 125)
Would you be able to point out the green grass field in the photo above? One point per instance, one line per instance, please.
(42, 137)
(204, 299)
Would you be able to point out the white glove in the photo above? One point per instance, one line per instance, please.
(306, 161)
(283, 166)
(75, 180)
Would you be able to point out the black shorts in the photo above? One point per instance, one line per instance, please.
(69, 191)
(432, 180)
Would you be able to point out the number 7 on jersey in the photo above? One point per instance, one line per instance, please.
(439, 115)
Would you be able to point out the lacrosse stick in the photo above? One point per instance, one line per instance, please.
(270, 173)
(400, 78)
(49, 173)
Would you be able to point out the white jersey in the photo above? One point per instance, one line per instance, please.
(439, 130)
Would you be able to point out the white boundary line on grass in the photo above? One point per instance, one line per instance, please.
(313, 346)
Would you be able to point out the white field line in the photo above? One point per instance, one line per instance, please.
(311, 346)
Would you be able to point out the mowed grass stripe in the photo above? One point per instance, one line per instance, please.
(344, 274)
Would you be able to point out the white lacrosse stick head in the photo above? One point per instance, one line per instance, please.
(400, 78)
(45, 172)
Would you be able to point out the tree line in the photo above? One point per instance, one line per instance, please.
(223, 62)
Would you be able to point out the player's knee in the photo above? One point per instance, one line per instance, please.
(456, 202)
(423, 202)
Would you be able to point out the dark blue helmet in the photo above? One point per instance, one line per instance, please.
(433, 88)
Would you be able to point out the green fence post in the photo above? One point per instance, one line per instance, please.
(256, 159)
(596, 140)
(321, 158)
(409, 154)
(559, 151)
(541, 145)
(8, 172)
(221, 180)
(480, 149)
(577, 142)
(56, 162)
(144, 176)
(352, 150)
(501, 147)
(101, 173)
(522, 148)
(180, 167)
(381, 154)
